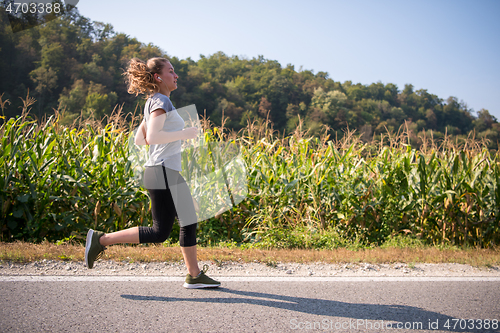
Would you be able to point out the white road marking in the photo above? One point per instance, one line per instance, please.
(106, 278)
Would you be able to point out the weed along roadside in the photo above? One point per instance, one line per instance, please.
(23, 252)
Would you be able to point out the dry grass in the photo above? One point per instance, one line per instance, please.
(26, 252)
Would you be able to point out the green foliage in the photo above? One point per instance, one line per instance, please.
(299, 238)
(402, 242)
(55, 183)
(367, 196)
(73, 99)
(101, 103)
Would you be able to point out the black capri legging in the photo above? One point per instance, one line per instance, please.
(163, 207)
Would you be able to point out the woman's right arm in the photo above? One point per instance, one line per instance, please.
(155, 135)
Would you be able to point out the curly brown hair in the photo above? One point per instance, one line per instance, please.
(139, 75)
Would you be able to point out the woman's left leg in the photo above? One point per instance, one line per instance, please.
(188, 221)
(196, 277)
(130, 235)
(190, 259)
(187, 217)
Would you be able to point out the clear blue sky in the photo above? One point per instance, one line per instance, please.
(450, 48)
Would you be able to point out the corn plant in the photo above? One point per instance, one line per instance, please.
(56, 182)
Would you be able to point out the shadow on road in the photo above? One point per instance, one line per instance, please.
(390, 314)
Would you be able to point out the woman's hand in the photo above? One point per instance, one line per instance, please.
(190, 132)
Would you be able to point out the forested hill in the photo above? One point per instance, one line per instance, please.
(76, 64)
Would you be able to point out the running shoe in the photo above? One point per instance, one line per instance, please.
(93, 249)
(201, 281)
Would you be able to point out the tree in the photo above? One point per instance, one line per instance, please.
(431, 119)
(264, 107)
(329, 103)
(484, 120)
(98, 101)
(45, 79)
(73, 100)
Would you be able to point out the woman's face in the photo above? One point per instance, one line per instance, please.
(169, 77)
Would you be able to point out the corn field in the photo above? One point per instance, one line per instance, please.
(56, 182)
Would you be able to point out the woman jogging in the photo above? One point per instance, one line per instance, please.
(162, 129)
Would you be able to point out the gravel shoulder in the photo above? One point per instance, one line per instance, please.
(125, 268)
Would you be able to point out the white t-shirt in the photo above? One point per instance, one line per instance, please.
(167, 153)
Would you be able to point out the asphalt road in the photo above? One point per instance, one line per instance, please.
(255, 306)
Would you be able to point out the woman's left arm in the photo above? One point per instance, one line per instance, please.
(140, 140)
